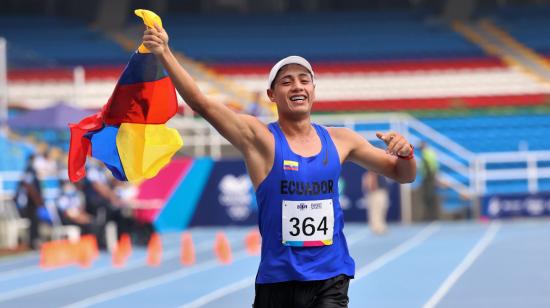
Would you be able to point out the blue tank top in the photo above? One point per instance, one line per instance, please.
(304, 184)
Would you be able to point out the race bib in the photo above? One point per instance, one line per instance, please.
(308, 223)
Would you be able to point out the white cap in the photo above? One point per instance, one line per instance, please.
(288, 60)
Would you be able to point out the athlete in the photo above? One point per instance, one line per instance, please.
(294, 165)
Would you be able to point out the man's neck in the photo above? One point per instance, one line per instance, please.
(296, 128)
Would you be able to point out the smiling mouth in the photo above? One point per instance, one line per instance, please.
(298, 98)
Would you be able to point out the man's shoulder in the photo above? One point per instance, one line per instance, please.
(340, 132)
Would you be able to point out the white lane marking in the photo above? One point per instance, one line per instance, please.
(16, 259)
(358, 235)
(18, 273)
(153, 282)
(33, 269)
(396, 252)
(48, 285)
(221, 292)
(470, 258)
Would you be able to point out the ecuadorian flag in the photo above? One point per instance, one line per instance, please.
(129, 135)
(290, 165)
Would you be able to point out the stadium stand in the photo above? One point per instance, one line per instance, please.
(521, 22)
(353, 36)
(30, 43)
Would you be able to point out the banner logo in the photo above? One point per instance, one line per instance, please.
(236, 196)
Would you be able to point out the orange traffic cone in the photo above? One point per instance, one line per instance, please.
(87, 250)
(46, 255)
(187, 249)
(118, 258)
(222, 248)
(125, 244)
(61, 253)
(122, 251)
(253, 242)
(154, 250)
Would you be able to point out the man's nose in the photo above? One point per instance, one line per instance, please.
(296, 86)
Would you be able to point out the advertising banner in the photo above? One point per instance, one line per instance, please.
(516, 205)
(228, 197)
(353, 196)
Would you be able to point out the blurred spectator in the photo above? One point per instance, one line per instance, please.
(127, 193)
(28, 198)
(102, 201)
(98, 194)
(72, 209)
(136, 210)
(428, 187)
(53, 162)
(99, 198)
(255, 108)
(41, 164)
(63, 172)
(375, 188)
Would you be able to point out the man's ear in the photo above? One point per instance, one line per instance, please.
(270, 95)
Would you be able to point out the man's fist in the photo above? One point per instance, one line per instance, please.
(155, 39)
(396, 143)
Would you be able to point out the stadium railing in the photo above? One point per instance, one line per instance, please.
(468, 175)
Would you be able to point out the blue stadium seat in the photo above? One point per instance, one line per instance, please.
(317, 36)
(495, 133)
(36, 41)
(528, 24)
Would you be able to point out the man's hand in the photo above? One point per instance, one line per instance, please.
(396, 143)
(155, 39)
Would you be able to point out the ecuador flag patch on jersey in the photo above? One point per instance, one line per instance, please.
(290, 165)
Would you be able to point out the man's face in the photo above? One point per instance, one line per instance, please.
(293, 90)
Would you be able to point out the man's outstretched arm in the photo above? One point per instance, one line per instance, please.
(354, 147)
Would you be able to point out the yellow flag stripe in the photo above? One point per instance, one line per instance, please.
(144, 149)
(290, 163)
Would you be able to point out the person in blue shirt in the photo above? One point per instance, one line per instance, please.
(294, 166)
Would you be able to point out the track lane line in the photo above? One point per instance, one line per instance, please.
(396, 252)
(470, 258)
(48, 285)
